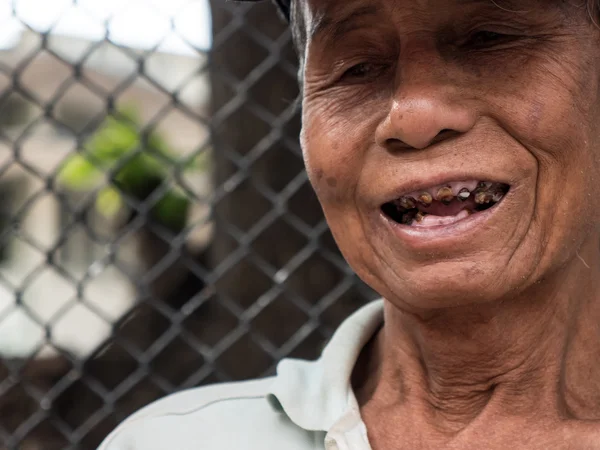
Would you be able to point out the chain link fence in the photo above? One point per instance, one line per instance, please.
(157, 229)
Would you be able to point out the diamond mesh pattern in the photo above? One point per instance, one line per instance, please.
(122, 282)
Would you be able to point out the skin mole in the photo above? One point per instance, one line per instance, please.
(331, 182)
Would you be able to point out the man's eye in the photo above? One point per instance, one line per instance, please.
(483, 39)
(361, 71)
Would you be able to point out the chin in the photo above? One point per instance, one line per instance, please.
(448, 285)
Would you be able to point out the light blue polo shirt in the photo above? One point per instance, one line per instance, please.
(308, 405)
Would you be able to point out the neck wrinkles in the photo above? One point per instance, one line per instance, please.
(527, 356)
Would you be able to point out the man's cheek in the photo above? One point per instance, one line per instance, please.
(333, 156)
(328, 176)
(329, 187)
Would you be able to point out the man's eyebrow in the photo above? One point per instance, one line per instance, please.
(335, 28)
(501, 4)
(508, 6)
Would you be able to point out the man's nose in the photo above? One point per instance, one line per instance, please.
(425, 108)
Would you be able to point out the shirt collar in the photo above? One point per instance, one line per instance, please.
(315, 394)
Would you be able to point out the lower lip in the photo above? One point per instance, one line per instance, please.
(436, 235)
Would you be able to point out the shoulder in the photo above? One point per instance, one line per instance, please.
(219, 417)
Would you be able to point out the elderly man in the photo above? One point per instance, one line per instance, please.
(454, 146)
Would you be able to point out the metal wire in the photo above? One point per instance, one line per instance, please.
(100, 315)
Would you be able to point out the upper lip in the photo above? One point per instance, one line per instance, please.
(418, 184)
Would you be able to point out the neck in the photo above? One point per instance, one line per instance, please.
(516, 357)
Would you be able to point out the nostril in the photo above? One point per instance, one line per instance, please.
(445, 134)
(394, 143)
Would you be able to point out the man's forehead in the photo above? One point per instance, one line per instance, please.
(335, 16)
(334, 7)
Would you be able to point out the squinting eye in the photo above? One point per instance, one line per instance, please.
(487, 38)
(361, 71)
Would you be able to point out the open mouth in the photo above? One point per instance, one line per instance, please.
(445, 204)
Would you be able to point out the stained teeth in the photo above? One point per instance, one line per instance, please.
(425, 199)
(407, 218)
(407, 203)
(416, 205)
(445, 195)
(483, 197)
(497, 195)
(463, 195)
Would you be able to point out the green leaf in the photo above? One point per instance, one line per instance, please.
(146, 165)
(172, 210)
(79, 174)
(109, 202)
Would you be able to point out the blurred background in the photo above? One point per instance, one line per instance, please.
(157, 229)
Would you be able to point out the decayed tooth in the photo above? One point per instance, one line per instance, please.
(445, 195)
(497, 191)
(484, 185)
(483, 197)
(463, 195)
(407, 218)
(407, 203)
(420, 216)
(425, 199)
(497, 196)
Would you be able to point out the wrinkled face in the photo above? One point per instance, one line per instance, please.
(454, 144)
